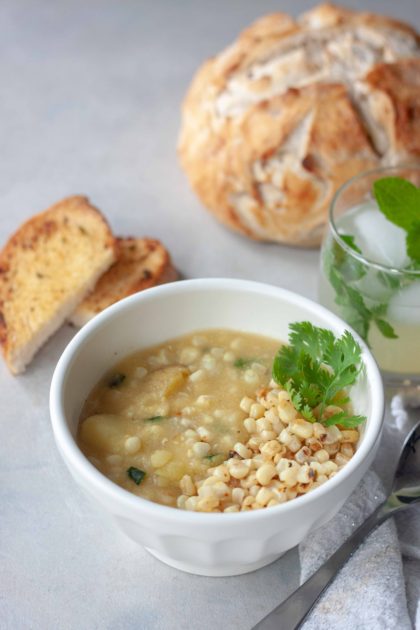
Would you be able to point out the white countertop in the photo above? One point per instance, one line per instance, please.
(90, 104)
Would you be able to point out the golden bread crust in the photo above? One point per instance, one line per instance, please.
(395, 89)
(46, 267)
(276, 122)
(141, 263)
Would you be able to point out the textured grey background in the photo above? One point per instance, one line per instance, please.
(90, 97)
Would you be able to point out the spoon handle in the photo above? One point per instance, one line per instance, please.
(292, 612)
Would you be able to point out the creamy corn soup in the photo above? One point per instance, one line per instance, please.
(173, 409)
(197, 423)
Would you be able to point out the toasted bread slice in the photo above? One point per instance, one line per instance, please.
(46, 268)
(141, 263)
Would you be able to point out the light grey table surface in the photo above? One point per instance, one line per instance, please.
(90, 99)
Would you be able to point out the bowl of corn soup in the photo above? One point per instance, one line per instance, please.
(174, 410)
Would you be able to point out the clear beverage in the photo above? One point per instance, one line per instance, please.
(368, 279)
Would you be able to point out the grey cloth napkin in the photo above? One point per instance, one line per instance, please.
(377, 589)
(369, 592)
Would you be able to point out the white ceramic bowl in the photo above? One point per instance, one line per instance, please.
(205, 544)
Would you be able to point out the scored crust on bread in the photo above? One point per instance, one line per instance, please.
(46, 268)
(276, 122)
(141, 263)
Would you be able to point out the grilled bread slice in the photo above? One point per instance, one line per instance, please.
(46, 268)
(141, 263)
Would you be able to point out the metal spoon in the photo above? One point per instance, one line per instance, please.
(405, 492)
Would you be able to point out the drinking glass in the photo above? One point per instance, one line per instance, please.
(367, 279)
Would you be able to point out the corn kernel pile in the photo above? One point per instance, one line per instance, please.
(284, 457)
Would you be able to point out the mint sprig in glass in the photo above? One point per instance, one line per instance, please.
(370, 265)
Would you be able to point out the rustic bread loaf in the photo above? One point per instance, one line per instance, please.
(141, 263)
(276, 122)
(46, 268)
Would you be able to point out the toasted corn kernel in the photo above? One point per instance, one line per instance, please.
(271, 448)
(350, 435)
(294, 444)
(254, 443)
(303, 455)
(322, 456)
(263, 496)
(250, 425)
(187, 485)
(239, 470)
(222, 473)
(221, 490)
(289, 476)
(303, 474)
(314, 444)
(180, 502)
(242, 450)
(328, 467)
(301, 428)
(340, 460)
(247, 502)
(238, 495)
(207, 505)
(266, 436)
(285, 437)
(333, 435)
(191, 503)
(265, 474)
(332, 449)
(286, 411)
(256, 411)
(320, 432)
(246, 404)
(347, 450)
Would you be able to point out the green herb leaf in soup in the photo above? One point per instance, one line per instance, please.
(116, 380)
(242, 364)
(136, 474)
(215, 459)
(155, 419)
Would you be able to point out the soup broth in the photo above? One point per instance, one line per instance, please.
(174, 410)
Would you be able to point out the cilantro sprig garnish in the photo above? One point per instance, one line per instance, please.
(315, 367)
